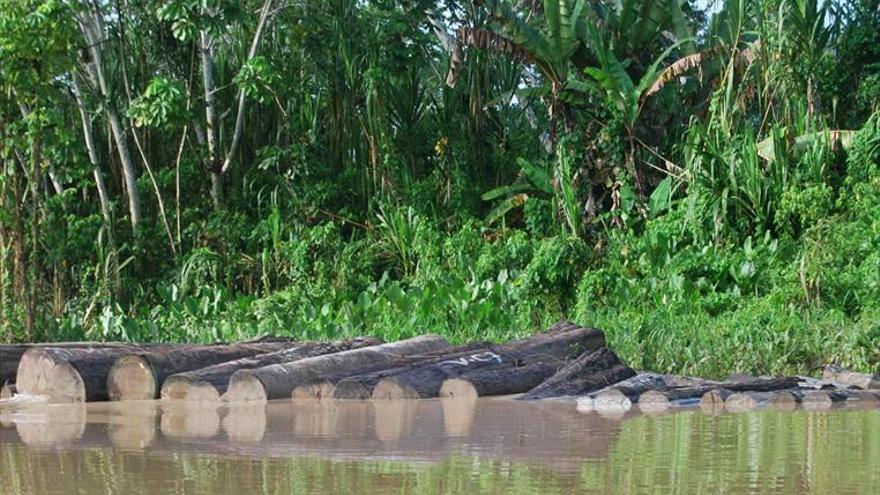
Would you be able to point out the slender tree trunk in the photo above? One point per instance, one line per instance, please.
(93, 151)
(30, 309)
(94, 34)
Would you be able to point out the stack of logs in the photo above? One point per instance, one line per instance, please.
(566, 360)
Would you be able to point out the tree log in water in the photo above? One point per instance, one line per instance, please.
(279, 380)
(750, 401)
(656, 399)
(10, 355)
(589, 372)
(862, 380)
(208, 384)
(498, 381)
(342, 385)
(140, 376)
(558, 345)
(71, 374)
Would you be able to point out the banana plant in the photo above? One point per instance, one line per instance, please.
(622, 92)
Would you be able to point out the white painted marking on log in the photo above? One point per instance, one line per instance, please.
(483, 357)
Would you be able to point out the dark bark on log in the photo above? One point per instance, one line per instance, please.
(209, 383)
(668, 398)
(498, 382)
(555, 347)
(76, 374)
(140, 376)
(279, 380)
(862, 380)
(10, 355)
(342, 385)
(589, 372)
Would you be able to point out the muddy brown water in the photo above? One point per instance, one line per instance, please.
(434, 446)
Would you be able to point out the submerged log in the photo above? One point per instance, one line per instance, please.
(342, 385)
(820, 400)
(862, 380)
(139, 376)
(279, 380)
(588, 373)
(498, 382)
(555, 347)
(208, 384)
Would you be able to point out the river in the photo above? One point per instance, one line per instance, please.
(433, 446)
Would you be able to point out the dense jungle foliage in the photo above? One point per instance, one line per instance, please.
(699, 179)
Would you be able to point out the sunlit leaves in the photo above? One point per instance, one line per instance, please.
(162, 103)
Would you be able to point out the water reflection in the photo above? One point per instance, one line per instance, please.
(450, 445)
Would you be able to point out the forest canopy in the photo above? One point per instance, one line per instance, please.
(699, 179)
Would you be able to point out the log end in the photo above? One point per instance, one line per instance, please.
(817, 400)
(351, 390)
(741, 402)
(654, 401)
(180, 388)
(65, 385)
(611, 399)
(584, 404)
(458, 388)
(34, 371)
(391, 389)
(712, 402)
(784, 401)
(132, 378)
(319, 390)
(245, 386)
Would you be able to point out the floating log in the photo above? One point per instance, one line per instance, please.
(553, 346)
(686, 395)
(78, 374)
(862, 380)
(341, 385)
(589, 372)
(279, 380)
(7, 391)
(745, 401)
(820, 400)
(10, 355)
(209, 383)
(69, 374)
(498, 382)
(712, 402)
(139, 376)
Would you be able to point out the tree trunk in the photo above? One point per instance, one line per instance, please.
(564, 342)
(92, 28)
(140, 376)
(278, 381)
(342, 385)
(209, 383)
(588, 373)
(498, 382)
(92, 149)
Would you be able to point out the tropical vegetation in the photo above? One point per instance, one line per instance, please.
(699, 179)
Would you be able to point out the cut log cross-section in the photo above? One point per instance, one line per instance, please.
(659, 399)
(140, 376)
(208, 384)
(278, 381)
(557, 346)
